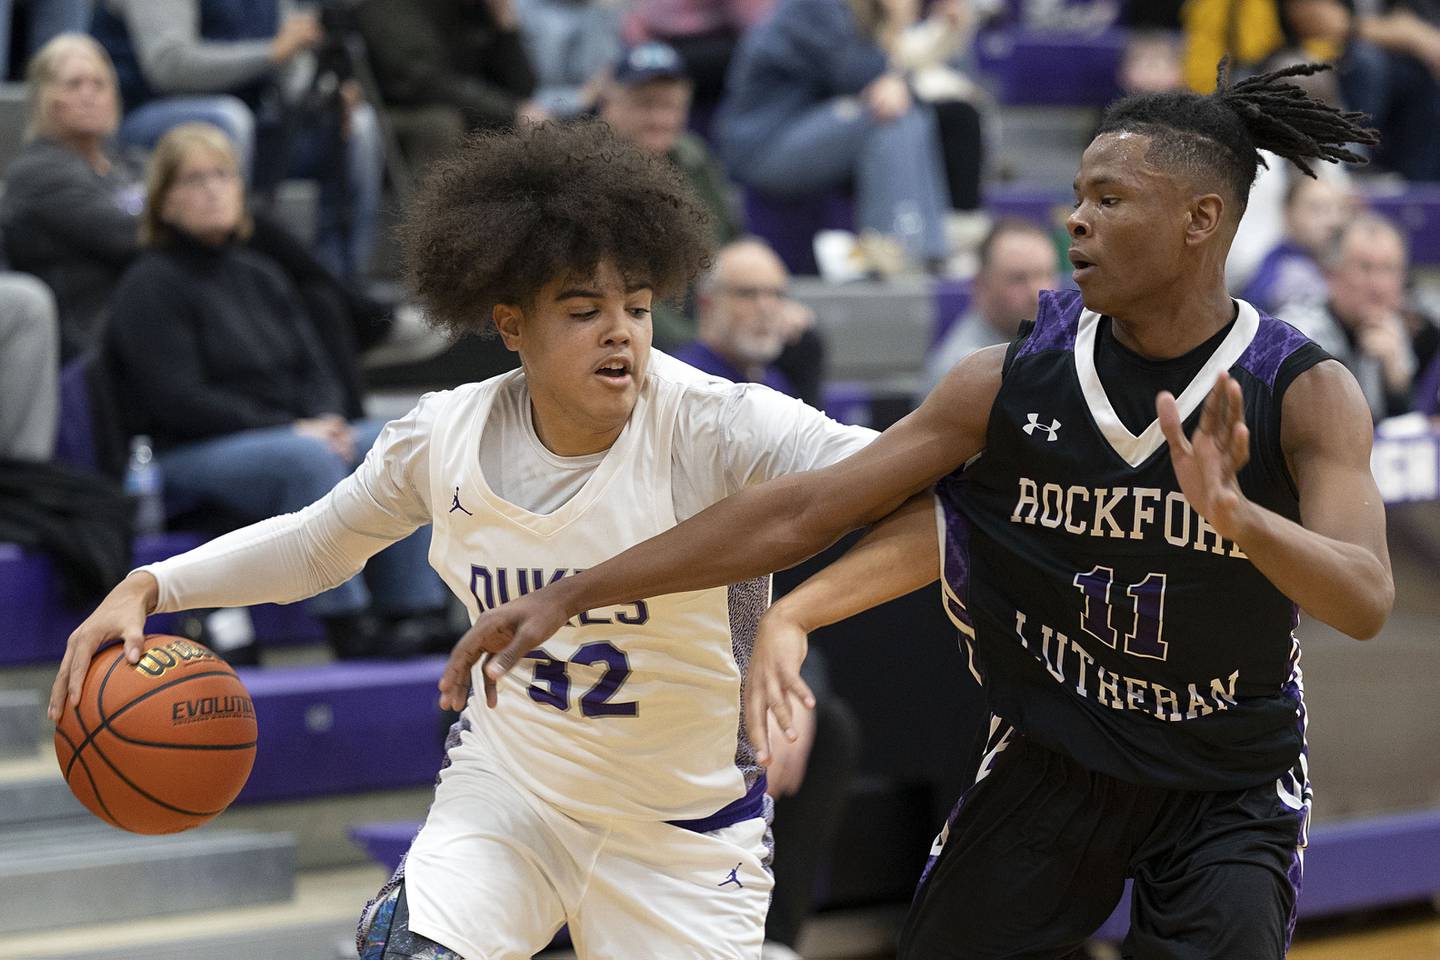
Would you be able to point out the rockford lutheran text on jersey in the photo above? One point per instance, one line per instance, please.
(1069, 662)
(1119, 513)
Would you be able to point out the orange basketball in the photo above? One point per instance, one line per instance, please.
(162, 745)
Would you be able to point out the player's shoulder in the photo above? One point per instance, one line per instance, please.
(1280, 351)
(689, 384)
(1054, 327)
(666, 369)
(703, 395)
(458, 401)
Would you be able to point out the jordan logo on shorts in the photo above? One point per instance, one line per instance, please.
(733, 878)
(455, 504)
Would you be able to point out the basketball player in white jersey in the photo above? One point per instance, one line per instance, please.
(614, 788)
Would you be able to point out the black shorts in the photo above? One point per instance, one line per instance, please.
(1034, 857)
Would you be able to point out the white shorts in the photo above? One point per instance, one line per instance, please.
(496, 871)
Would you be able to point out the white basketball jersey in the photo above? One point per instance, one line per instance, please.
(629, 711)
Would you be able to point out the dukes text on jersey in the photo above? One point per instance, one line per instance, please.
(492, 586)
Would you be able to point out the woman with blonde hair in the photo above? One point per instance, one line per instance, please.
(218, 361)
(72, 204)
(71, 197)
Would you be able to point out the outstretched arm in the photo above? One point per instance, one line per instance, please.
(899, 555)
(1336, 566)
(278, 560)
(764, 528)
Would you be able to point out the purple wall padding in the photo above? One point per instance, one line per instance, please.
(1353, 865)
(34, 618)
(387, 841)
(1415, 209)
(1044, 203)
(848, 401)
(75, 435)
(1051, 67)
(29, 598)
(344, 727)
(789, 224)
(952, 298)
(35, 621)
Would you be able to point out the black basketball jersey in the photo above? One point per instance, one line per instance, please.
(1105, 617)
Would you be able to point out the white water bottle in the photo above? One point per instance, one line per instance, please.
(145, 486)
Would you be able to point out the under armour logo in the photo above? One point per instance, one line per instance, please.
(455, 504)
(1052, 431)
(733, 878)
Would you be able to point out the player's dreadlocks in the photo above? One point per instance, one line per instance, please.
(1224, 131)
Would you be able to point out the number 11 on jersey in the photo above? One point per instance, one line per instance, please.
(1146, 609)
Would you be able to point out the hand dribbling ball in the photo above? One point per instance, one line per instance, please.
(158, 746)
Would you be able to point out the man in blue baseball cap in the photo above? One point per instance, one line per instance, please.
(647, 101)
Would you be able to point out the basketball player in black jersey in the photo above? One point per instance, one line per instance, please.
(1133, 499)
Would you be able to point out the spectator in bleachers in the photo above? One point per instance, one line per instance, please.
(1151, 63)
(928, 52)
(72, 199)
(446, 67)
(217, 361)
(647, 101)
(704, 32)
(572, 46)
(1387, 56)
(226, 63)
(1315, 210)
(813, 104)
(43, 20)
(746, 317)
(71, 209)
(1364, 322)
(1017, 261)
(29, 369)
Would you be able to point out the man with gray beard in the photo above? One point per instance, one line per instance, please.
(746, 317)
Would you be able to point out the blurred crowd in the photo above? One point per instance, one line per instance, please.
(155, 256)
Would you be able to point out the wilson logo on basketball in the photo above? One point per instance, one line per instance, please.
(158, 660)
(211, 708)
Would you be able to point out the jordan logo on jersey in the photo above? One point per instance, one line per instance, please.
(1052, 432)
(733, 878)
(456, 505)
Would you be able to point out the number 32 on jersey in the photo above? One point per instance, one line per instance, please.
(552, 680)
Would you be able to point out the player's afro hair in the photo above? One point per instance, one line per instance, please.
(511, 211)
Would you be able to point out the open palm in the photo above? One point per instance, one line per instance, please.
(1208, 463)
